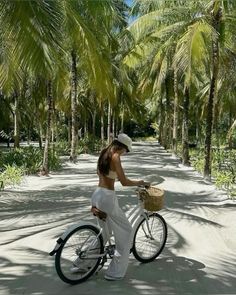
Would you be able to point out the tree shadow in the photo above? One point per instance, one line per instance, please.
(166, 275)
(43, 213)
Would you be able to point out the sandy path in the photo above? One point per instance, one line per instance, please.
(199, 257)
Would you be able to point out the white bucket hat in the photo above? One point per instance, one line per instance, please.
(126, 140)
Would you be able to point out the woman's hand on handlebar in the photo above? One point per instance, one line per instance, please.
(145, 183)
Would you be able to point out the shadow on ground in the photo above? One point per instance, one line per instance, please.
(31, 220)
(184, 276)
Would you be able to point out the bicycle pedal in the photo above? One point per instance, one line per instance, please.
(101, 266)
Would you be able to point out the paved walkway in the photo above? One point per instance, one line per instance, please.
(199, 257)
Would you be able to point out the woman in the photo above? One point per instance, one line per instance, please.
(104, 198)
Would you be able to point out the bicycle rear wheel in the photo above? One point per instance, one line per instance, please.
(149, 238)
(79, 255)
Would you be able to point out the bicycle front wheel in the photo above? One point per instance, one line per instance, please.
(149, 238)
(79, 255)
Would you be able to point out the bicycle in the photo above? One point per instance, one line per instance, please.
(83, 243)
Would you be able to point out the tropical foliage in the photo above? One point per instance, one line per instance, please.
(183, 50)
(74, 73)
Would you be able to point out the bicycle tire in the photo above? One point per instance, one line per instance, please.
(64, 265)
(159, 222)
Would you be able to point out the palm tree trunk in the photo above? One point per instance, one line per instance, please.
(209, 121)
(69, 129)
(122, 119)
(176, 114)
(53, 135)
(230, 134)
(94, 123)
(109, 124)
(215, 123)
(40, 132)
(217, 15)
(185, 128)
(113, 126)
(57, 120)
(167, 122)
(53, 127)
(45, 166)
(28, 134)
(161, 121)
(16, 121)
(102, 124)
(85, 127)
(230, 118)
(197, 130)
(74, 90)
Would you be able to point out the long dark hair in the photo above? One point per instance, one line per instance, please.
(104, 159)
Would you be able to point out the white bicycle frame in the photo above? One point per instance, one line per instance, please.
(135, 216)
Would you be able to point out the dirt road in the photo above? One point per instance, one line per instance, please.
(199, 257)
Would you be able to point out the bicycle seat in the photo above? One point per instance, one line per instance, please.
(98, 213)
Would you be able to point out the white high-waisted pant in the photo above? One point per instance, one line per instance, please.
(106, 200)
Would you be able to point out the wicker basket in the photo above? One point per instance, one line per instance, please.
(153, 198)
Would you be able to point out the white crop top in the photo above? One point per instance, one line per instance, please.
(112, 174)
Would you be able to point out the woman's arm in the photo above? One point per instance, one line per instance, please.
(121, 175)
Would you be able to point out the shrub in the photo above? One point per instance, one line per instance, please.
(223, 167)
(30, 159)
(224, 179)
(62, 148)
(54, 161)
(11, 175)
(197, 159)
(89, 144)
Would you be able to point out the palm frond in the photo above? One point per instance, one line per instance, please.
(192, 49)
(34, 29)
(95, 59)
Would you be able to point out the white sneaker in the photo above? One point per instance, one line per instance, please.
(80, 266)
(75, 269)
(110, 278)
(77, 262)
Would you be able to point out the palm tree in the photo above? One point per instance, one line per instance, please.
(216, 16)
(196, 28)
(32, 31)
(156, 33)
(37, 46)
(33, 43)
(88, 28)
(202, 43)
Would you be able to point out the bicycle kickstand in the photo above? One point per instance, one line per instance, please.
(104, 260)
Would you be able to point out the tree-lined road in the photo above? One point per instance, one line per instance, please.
(199, 257)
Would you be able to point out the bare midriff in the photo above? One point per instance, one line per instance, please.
(106, 182)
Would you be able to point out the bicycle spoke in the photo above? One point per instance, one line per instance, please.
(149, 238)
(72, 265)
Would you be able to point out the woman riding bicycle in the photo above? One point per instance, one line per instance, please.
(109, 169)
(80, 249)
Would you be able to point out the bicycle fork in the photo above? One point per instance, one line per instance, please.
(147, 232)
